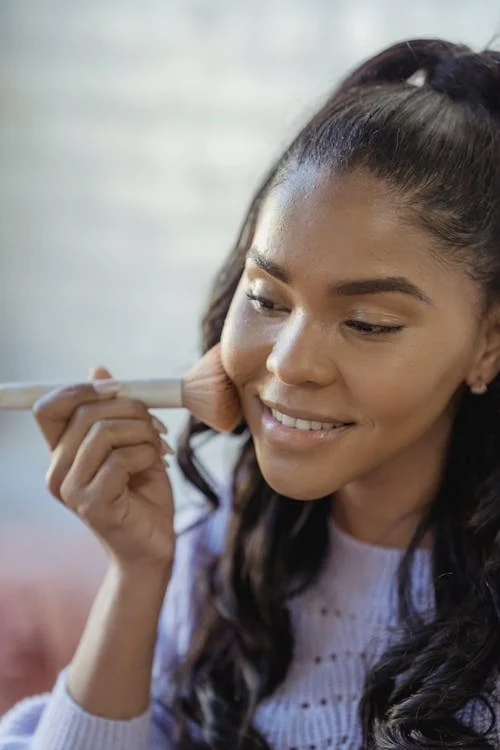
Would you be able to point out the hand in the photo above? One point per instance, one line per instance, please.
(107, 468)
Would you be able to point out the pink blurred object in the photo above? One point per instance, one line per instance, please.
(48, 581)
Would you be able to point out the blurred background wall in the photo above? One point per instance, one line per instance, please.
(131, 137)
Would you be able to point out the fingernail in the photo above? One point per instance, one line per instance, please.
(166, 448)
(159, 426)
(165, 461)
(106, 386)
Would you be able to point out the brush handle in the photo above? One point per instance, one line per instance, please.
(155, 393)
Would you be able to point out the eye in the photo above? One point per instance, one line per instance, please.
(371, 329)
(262, 303)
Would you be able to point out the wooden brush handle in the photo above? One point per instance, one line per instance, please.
(155, 393)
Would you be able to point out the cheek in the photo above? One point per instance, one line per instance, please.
(244, 349)
(410, 383)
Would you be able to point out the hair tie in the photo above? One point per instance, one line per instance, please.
(451, 69)
(468, 77)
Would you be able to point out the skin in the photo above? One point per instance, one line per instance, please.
(401, 389)
(106, 467)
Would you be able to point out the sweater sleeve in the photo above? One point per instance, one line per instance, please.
(54, 721)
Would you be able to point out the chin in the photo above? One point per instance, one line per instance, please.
(295, 487)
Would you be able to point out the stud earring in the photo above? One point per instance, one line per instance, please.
(479, 389)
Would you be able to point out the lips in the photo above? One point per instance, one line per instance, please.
(279, 436)
(304, 424)
(309, 416)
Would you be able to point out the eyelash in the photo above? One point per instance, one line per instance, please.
(366, 329)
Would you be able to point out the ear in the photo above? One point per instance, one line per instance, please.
(487, 361)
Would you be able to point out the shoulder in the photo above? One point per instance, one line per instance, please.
(200, 534)
(198, 525)
(200, 529)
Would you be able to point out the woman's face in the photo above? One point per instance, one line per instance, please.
(345, 320)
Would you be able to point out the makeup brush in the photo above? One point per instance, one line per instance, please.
(206, 391)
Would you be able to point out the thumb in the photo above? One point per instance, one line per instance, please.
(99, 373)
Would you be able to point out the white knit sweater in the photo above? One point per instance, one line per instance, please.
(342, 624)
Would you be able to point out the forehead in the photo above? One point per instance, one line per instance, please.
(349, 221)
(323, 227)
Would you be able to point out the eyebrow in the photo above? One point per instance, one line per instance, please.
(349, 287)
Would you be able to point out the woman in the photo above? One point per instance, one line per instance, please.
(345, 592)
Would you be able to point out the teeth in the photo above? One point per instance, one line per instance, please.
(302, 424)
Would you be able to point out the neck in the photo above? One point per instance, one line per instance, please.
(385, 507)
(379, 528)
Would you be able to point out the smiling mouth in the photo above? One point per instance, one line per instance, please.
(306, 424)
(297, 433)
(300, 419)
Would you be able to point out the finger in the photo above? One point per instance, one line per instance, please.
(103, 439)
(78, 427)
(90, 439)
(54, 410)
(110, 483)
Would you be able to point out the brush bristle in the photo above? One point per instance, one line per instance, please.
(209, 394)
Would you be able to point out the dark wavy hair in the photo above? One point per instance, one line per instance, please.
(424, 116)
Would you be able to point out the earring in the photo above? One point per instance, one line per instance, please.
(479, 389)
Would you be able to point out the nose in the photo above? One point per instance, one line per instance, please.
(302, 354)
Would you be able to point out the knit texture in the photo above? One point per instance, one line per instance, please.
(342, 625)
